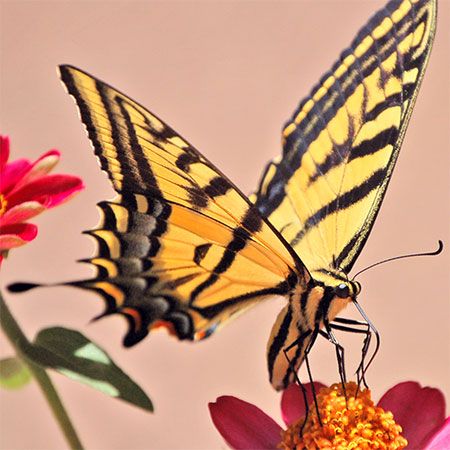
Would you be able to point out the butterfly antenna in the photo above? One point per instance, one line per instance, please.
(411, 255)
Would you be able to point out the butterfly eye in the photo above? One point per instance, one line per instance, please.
(343, 291)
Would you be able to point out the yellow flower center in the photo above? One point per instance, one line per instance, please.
(353, 424)
(3, 204)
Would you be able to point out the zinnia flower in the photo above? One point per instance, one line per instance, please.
(407, 415)
(26, 190)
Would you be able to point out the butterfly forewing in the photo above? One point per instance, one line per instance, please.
(342, 142)
(181, 246)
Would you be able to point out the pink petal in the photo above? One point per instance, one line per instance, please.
(43, 165)
(293, 404)
(22, 171)
(50, 190)
(441, 438)
(4, 150)
(16, 235)
(12, 173)
(8, 241)
(243, 425)
(21, 213)
(419, 411)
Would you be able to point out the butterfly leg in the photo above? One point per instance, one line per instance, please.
(349, 325)
(362, 369)
(298, 342)
(372, 330)
(311, 380)
(340, 354)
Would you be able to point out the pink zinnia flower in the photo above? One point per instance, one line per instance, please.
(419, 415)
(26, 190)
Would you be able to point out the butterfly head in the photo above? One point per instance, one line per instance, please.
(337, 294)
(336, 285)
(349, 289)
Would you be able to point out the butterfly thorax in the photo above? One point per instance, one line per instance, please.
(308, 308)
(326, 295)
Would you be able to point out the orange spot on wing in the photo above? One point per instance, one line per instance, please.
(200, 335)
(164, 324)
(134, 315)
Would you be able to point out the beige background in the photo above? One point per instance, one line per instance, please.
(226, 76)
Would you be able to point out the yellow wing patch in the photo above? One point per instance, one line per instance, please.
(341, 145)
(180, 247)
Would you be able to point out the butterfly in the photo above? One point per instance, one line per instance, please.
(181, 247)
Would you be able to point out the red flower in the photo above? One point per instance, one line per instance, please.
(26, 190)
(419, 411)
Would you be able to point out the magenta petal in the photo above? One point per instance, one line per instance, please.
(441, 438)
(16, 235)
(4, 150)
(419, 411)
(243, 425)
(12, 173)
(65, 188)
(9, 241)
(56, 188)
(43, 165)
(21, 213)
(293, 403)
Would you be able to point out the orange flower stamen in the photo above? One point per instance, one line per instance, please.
(353, 424)
(3, 204)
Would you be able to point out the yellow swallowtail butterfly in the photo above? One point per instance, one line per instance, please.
(182, 247)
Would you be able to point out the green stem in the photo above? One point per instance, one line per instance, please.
(20, 344)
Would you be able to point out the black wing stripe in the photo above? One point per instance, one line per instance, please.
(69, 82)
(141, 165)
(216, 187)
(126, 166)
(297, 142)
(362, 68)
(250, 224)
(392, 100)
(212, 311)
(344, 201)
(371, 146)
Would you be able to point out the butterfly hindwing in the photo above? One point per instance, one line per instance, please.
(342, 142)
(180, 247)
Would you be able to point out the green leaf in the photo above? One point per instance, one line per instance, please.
(75, 356)
(14, 374)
